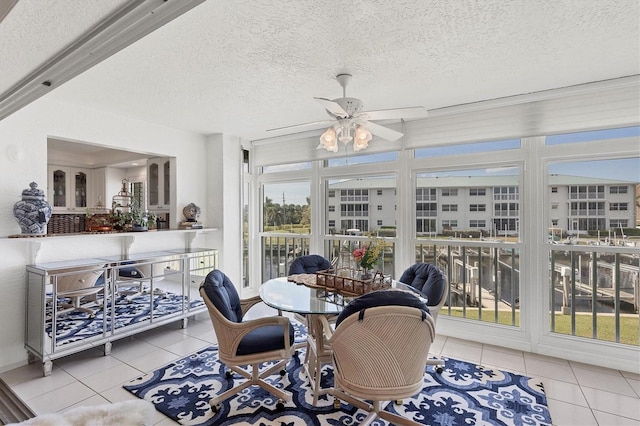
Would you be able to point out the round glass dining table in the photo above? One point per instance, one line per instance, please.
(281, 294)
(313, 303)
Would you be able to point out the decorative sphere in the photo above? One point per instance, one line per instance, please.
(191, 212)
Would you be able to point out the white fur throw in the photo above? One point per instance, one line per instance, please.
(127, 413)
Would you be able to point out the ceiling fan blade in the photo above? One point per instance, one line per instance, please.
(333, 107)
(397, 113)
(381, 131)
(315, 125)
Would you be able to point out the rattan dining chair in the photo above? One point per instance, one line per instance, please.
(380, 348)
(249, 342)
(308, 264)
(431, 283)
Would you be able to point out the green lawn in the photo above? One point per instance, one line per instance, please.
(629, 324)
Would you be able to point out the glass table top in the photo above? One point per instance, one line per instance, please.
(288, 296)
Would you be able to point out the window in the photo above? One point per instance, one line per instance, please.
(583, 208)
(286, 167)
(477, 224)
(554, 206)
(472, 191)
(584, 192)
(554, 222)
(554, 189)
(506, 209)
(331, 208)
(354, 195)
(379, 192)
(379, 223)
(362, 159)
(285, 207)
(505, 193)
(332, 194)
(426, 226)
(426, 209)
(425, 194)
(505, 225)
(245, 225)
(245, 161)
(467, 148)
(618, 189)
(359, 225)
(618, 223)
(354, 210)
(594, 135)
(590, 201)
(362, 224)
(618, 207)
(332, 224)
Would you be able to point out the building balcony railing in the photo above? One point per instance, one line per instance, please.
(593, 290)
(483, 277)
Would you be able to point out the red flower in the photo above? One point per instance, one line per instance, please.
(359, 252)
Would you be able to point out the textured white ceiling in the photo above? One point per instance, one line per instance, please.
(241, 67)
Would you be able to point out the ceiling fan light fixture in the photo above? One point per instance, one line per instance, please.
(345, 134)
(349, 123)
(329, 140)
(362, 138)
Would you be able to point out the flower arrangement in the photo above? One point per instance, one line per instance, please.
(369, 254)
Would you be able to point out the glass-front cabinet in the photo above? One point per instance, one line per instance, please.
(75, 305)
(68, 188)
(159, 180)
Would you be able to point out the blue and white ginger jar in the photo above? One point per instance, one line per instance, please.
(32, 212)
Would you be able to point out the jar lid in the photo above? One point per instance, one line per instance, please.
(33, 191)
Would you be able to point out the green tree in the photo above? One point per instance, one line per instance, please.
(272, 213)
(305, 216)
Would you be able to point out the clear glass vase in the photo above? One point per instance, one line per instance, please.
(365, 273)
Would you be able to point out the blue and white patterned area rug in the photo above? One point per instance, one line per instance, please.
(78, 325)
(464, 394)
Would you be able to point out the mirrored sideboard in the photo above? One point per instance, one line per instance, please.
(76, 305)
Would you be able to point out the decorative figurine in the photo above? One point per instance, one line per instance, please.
(33, 211)
(191, 212)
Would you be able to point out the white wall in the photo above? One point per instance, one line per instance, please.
(23, 159)
(224, 205)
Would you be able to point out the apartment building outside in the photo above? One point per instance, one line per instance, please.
(490, 204)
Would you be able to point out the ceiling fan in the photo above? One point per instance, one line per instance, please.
(348, 122)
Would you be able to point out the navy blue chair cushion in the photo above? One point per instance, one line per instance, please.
(99, 281)
(309, 264)
(427, 279)
(264, 339)
(381, 298)
(222, 293)
(130, 272)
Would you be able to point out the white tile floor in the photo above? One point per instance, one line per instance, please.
(577, 394)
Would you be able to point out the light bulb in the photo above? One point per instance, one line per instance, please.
(361, 141)
(329, 140)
